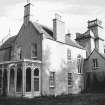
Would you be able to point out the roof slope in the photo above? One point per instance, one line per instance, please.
(102, 55)
(43, 30)
(48, 33)
(73, 43)
(9, 42)
(84, 35)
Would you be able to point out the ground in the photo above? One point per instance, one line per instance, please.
(83, 99)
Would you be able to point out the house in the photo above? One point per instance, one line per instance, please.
(94, 64)
(41, 61)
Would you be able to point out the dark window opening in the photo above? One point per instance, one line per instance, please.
(12, 84)
(36, 84)
(36, 72)
(36, 79)
(95, 63)
(5, 82)
(69, 78)
(28, 79)
(34, 51)
(19, 80)
(0, 78)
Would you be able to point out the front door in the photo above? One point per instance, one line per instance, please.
(36, 82)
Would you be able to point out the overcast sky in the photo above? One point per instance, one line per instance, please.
(75, 13)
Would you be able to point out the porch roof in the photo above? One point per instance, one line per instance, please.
(25, 60)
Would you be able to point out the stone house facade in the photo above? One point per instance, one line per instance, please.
(40, 61)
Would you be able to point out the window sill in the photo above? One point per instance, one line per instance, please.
(70, 86)
(80, 73)
(52, 86)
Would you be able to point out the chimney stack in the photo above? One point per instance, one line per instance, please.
(58, 28)
(67, 37)
(27, 13)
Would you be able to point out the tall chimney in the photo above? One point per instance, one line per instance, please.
(27, 13)
(58, 28)
(67, 37)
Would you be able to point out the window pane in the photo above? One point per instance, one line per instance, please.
(12, 85)
(0, 66)
(34, 50)
(28, 79)
(19, 80)
(0, 78)
(69, 78)
(36, 72)
(36, 84)
(79, 65)
(5, 82)
(52, 79)
(68, 54)
(95, 63)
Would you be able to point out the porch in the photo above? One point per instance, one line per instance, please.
(20, 78)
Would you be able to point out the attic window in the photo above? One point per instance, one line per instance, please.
(34, 51)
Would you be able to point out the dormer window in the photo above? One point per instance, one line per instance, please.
(34, 51)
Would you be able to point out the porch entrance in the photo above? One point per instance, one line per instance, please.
(20, 78)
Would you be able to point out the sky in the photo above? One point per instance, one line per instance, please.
(75, 14)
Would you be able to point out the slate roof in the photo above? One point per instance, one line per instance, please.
(84, 35)
(49, 34)
(41, 29)
(87, 34)
(101, 54)
(8, 43)
(73, 43)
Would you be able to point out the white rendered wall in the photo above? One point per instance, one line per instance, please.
(55, 59)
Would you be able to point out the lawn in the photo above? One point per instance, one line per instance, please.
(82, 99)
